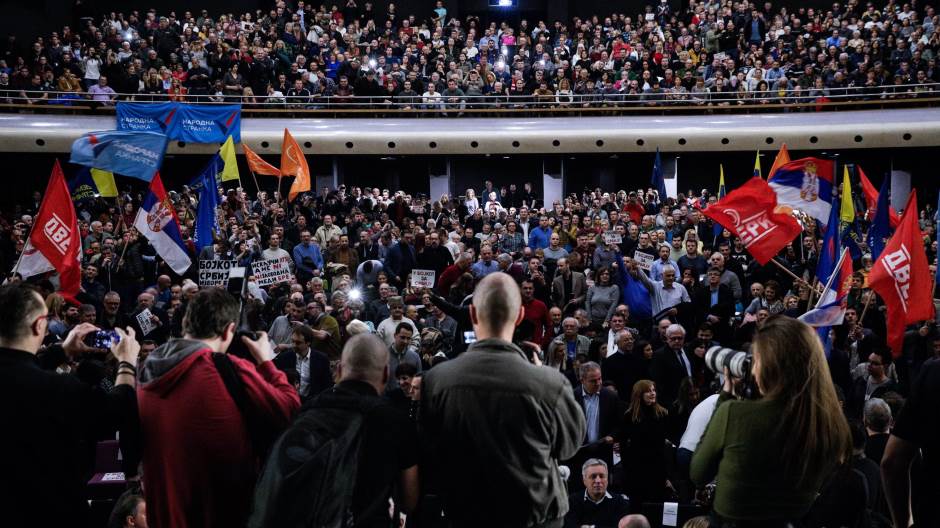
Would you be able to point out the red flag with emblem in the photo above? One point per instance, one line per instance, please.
(750, 212)
(899, 276)
(55, 234)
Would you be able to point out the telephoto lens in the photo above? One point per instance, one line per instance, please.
(738, 362)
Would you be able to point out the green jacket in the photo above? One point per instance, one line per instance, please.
(742, 447)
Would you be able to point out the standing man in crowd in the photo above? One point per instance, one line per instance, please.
(511, 467)
(201, 460)
(50, 418)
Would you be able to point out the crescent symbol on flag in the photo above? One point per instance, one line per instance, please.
(735, 217)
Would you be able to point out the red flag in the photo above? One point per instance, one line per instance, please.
(900, 275)
(750, 212)
(55, 233)
(871, 200)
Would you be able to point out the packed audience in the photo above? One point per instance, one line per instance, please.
(359, 54)
(637, 365)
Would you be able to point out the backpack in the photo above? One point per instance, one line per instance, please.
(310, 475)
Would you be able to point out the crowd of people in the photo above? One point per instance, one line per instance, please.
(622, 399)
(358, 54)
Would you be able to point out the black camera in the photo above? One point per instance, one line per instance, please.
(738, 362)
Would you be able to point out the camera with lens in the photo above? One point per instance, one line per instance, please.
(738, 362)
(739, 367)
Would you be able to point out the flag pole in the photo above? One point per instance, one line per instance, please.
(255, 178)
(865, 309)
(791, 274)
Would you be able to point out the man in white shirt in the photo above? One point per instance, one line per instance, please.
(664, 294)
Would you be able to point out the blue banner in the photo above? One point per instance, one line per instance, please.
(135, 154)
(206, 123)
(145, 117)
(206, 224)
(182, 122)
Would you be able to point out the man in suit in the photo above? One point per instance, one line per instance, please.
(714, 304)
(569, 287)
(623, 366)
(602, 412)
(670, 365)
(312, 367)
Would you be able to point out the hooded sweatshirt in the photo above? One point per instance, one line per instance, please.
(199, 464)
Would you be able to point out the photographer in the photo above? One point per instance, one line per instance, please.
(772, 455)
(209, 417)
(54, 419)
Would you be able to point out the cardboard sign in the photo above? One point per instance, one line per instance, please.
(643, 261)
(422, 278)
(143, 320)
(612, 237)
(214, 272)
(272, 271)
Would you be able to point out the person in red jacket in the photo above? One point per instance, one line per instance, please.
(200, 464)
(537, 313)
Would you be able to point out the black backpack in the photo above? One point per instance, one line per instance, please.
(310, 474)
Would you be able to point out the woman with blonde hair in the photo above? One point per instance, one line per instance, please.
(642, 439)
(772, 455)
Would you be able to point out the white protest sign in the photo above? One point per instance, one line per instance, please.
(643, 261)
(143, 320)
(422, 278)
(670, 514)
(612, 237)
(272, 271)
(214, 272)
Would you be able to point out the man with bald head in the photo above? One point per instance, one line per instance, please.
(388, 455)
(496, 424)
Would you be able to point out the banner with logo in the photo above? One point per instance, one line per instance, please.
(135, 154)
(182, 122)
(145, 117)
(215, 272)
(272, 271)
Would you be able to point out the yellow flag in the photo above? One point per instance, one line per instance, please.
(757, 172)
(227, 152)
(847, 213)
(104, 181)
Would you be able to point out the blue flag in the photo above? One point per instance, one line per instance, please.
(880, 230)
(135, 154)
(206, 224)
(831, 248)
(850, 238)
(657, 180)
(82, 186)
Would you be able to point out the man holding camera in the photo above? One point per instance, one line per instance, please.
(510, 467)
(209, 417)
(54, 418)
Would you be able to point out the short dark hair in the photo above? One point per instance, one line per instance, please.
(209, 312)
(405, 369)
(18, 301)
(404, 326)
(305, 332)
(125, 507)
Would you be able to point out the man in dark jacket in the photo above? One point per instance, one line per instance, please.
(510, 465)
(595, 506)
(312, 366)
(602, 412)
(53, 419)
(670, 365)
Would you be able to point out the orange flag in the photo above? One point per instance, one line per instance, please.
(783, 157)
(258, 165)
(293, 163)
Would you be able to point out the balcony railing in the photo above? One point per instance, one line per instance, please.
(617, 103)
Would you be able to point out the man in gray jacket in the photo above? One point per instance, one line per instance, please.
(497, 425)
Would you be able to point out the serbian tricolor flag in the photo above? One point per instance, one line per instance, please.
(805, 184)
(751, 212)
(832, 304)
(157, 221)
(901, 275)
(55, 243)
